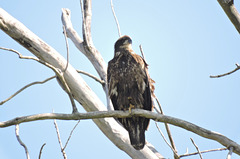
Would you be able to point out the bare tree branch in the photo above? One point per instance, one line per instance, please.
(46, 80)
(141, 50)
(173, 147)
(175, 153)
(123, 114)
(206, 151)
(94, 57)
(20, 141)
(71, 134)
(228, 73)
(39, 82)
(231, 11)
(116, 20)
(65, 36)
(90, 49)
(40, 153)
(199, 152)
(168, 131)
(20, 90)
(58, 72)
(59, 140)
(92, 76)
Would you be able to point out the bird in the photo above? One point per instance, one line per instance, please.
(130, 87)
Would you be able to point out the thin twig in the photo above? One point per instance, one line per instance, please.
(199, 152)
(159, 105)
(59, 140)
(175, 153)
(58, 72)
(229, 156)
(40, 153)
(228, 73)
(115, 17)
(19, 54)
(206, 151)
(20, 141)
(141, 50)
(64, 85)
(30, 84)
(167, 129)
(71, 135)
(161, 112)
(46, 80)
(66, 40)
(92, 76)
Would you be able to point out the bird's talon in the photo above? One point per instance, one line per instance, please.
(130, 108)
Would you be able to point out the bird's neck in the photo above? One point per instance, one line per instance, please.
(126, 49)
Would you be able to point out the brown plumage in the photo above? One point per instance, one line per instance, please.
(129, 85)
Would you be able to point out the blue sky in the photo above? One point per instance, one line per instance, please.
(184, 43)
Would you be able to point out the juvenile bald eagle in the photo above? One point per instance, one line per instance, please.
(129, 87)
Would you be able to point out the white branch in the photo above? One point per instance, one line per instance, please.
(59, 140)
(206, 151)
(123, 114)
(231, 11)
(81, 91)
(199, 152)
(20, 141)
(116, 20)
(88, 49)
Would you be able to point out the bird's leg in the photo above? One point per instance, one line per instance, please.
(131, 106)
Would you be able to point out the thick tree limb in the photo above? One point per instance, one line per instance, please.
(231, 11)
(87, 48)
(90, 49)
(139, 112)
(81, 91)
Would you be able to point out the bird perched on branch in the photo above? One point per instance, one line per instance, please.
(130, 87)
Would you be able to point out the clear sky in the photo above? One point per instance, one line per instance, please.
(184, 42)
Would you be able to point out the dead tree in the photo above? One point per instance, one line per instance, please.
(77, 88)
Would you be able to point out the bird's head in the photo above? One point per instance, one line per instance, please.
(124, 42)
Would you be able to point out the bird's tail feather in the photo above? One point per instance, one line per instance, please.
(137, 138)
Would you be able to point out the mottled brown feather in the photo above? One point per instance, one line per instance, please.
(129, 83)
